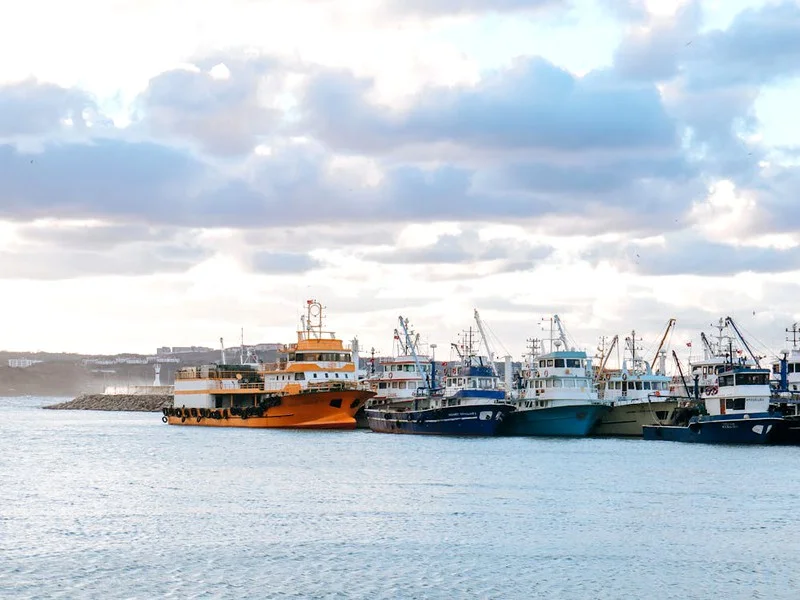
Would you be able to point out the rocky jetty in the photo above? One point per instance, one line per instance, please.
(122, 402)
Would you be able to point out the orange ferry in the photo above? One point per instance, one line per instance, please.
(314, 385)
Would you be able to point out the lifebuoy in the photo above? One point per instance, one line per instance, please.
(164, 419)
(545, 373)
(658, 393)
(389, 375)
(624, 377)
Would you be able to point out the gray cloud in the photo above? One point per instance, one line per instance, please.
(32, 108)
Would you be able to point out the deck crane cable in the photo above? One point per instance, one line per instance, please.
(758, 344)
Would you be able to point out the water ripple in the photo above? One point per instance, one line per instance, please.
(118, 505)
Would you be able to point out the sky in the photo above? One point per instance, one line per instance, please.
(173, 171)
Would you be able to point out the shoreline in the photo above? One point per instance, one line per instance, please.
(116, 402)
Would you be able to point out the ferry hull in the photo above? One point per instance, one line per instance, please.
(313, 410)
(627, 420)
(559, 421)
(755, 430)
(469, 420)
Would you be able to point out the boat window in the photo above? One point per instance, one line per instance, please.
(402, 385)
(751, 378)
(570, 383)
(542, 364)
(557, 383)
(549, 362)
(726, 381)
(299, 376)
(326, 376)
(560, 363)
(394, 385)
(337, 376)
(638, 385)
(460, 381)
(315, 375)
(793, 368)
(382, 385)
(734, 403)
(646, 385)
(573, 363)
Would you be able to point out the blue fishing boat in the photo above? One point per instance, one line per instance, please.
(736, 411)
(786, 391)
(555, 393)
(471, 403)
(734, 406)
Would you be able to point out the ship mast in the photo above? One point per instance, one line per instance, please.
(412, 347)
(794, 331)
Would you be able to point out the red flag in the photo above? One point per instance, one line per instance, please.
(689, 344)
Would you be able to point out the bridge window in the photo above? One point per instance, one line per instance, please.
(726, 381)
(646, 385)
(751, 379)
(560, 363)
(734, 403)
(382, 385)
(573, 363)
(549, 362)
(542, 364)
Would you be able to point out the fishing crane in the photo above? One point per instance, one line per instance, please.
(729, 321)
(605, 356)
(489, 353)
(670, 325)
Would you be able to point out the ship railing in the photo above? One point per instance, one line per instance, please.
(244, 376)
(315, 335)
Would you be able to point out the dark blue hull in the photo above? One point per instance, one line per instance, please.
(564, 421)
(478, 419)
(787, 432)
(755, 430)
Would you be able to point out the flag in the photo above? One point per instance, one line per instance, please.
(688, 344)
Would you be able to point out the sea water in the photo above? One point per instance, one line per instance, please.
(120, 505)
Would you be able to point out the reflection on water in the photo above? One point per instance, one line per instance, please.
(119, 505)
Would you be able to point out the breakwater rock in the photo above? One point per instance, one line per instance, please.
(122, 402)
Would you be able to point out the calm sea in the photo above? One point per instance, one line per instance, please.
(119, 505)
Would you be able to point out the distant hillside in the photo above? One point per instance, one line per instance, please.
(66, 374)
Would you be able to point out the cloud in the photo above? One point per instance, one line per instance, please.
(465, 248)
(107, 177)
(531, 105)
(51, 262)
(227, 104)
(92, 236)
(687, 254)
(457, 7)
(33, 108)
(283, 263)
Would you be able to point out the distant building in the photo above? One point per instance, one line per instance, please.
(21, 363)
(266, 347)
(165, 350)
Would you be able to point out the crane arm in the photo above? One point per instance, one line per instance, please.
(729, 321)
(670, 325)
